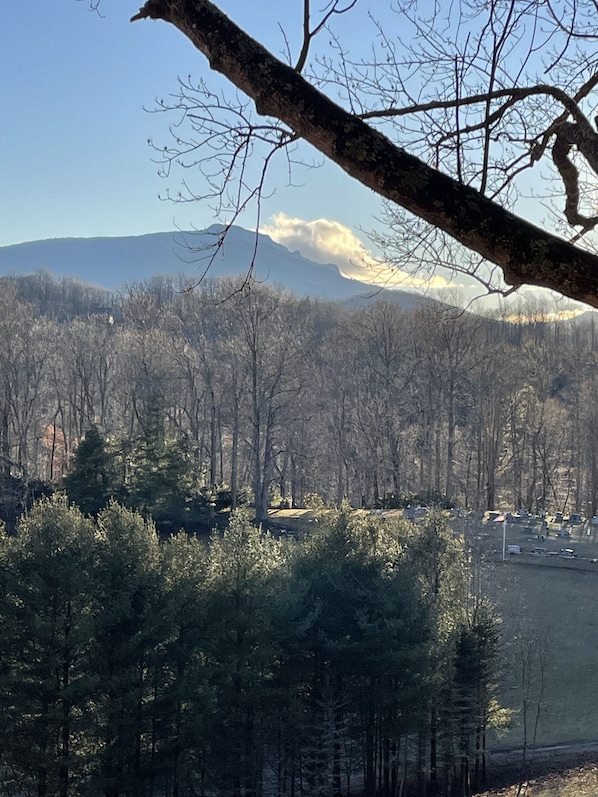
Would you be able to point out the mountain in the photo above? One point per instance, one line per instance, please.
(111, 263)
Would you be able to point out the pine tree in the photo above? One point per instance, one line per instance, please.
(129, 634)
(358, 660)
(471, 694)
(91, 480)
(46, 674)
(243, 578)
(163, 479)
(186, 699)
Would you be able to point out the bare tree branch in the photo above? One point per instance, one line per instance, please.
(513, 94)
(585, 139)
(525, 253)
(308, 33)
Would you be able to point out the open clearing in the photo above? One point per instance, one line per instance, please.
(555, 607)
(549, 605)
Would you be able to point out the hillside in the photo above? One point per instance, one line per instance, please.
(111, 262)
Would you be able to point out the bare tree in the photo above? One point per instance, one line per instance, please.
(447, 349)
(273, 339)
(444, 119)
(24, 366)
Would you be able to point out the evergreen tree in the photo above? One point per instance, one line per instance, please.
(163, 479)
(358, 658)
(242, 665)
(46, 675)
(471, 707)
(91, 480)
(186, 701)
(129, 633)
(241, 650)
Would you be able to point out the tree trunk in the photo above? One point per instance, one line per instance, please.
(526, 254)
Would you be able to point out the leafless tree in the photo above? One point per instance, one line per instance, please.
(273, 338)
(448, 116)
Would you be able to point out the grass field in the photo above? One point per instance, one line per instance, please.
(549, 606)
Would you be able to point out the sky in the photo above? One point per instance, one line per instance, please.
(77, 92)
(75, 133)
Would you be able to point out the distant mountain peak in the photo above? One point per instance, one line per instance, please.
(111, 262)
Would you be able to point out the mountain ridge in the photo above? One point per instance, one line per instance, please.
(113, 262)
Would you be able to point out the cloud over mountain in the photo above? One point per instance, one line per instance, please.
(329, 241)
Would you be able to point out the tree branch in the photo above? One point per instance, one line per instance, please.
(526, 254)
(309, 34)
(569, 134)
(513, 94)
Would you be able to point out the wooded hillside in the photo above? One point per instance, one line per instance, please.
(225, 396)
(243, 666)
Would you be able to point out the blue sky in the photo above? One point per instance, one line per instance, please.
(74, 136)
(74, 133)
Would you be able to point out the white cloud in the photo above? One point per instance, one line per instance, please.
(327, 241)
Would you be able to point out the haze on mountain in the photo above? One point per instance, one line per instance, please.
(111, 263)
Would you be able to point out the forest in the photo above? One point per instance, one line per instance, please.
(356, 660)
(362, 657)
(143, 654)
(190, 401)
